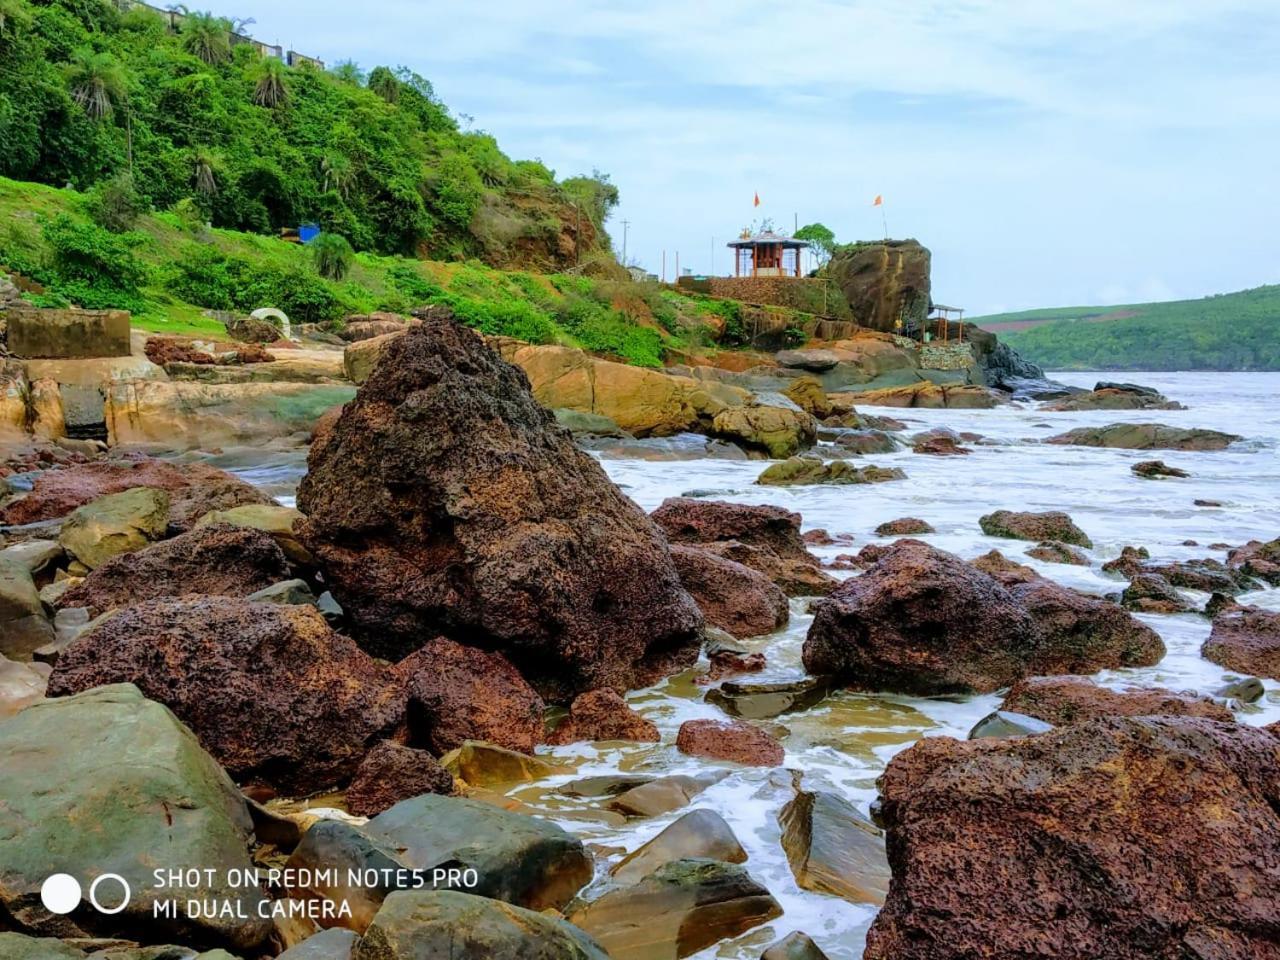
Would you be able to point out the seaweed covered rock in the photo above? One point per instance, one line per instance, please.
(446, 500)
(1050, 525)
(1145, 436)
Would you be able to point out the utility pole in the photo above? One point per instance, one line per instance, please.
(712, 271)
(625, 224)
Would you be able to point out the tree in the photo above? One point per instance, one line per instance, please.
(821, 241)
(348, 71)
(270, 88)
(332, 255)
(97, 82)
(338, 172)
(205, 168)
(207, 37)
(384, 83)
(14, 16)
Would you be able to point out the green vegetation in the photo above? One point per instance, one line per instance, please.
(89, 95)
(1232, 331)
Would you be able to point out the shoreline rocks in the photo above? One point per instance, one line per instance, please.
(603, 715)
(1064, 700)
(1145, 436)
(1050, 525)
(1247, 640)
(732, 596)
(797, 471)
(733, 740)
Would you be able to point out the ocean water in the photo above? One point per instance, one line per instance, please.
(844, 743)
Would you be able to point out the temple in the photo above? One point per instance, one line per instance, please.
(767, 255)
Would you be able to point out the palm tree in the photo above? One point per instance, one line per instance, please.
(270, 90)
(97, 82)
(384, 83)
(205, 167)
(338, 172)
(13, 15)
(207, 37)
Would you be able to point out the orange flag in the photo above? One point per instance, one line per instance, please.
(757, 203)
(878, 201)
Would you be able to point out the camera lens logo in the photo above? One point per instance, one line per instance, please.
(61, 893)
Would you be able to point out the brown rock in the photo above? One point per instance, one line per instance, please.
(1130, 561)
(457, 693)
(392, 772)
(162, 350)
(490, 526)
(1145, 436)
(1154, 469)
(603, 715)
(663, 795)
(939, 444)
(483, 764)
(1127, 838)
(808, 395)
(213, 560)
(1051, 551)
(270, 690)
(1247, 640)
(1064, 700)
(21, 684)
(1152, 593)
(764, 538)
(1077, 633)
(734, 740)
(1258, 559)
(1051, 525)
(700, 833)
(904, 527)
(732, 596)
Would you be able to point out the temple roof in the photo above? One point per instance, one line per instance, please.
(766, 238)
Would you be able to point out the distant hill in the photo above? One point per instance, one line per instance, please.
(1229, 331)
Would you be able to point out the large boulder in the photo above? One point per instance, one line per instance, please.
(885, 282)
(115, 524)
(1247, 640)
(1063, 700)
(271, 691)
(833, 849)
(765, 538)
(110, 782)
(700, 834)
(446, 500)
(23, 625)
(1115, 396)
(214, 560)
(603, 715)
(1145, 436)
(732, 596)
(424, 925)
(457, 693)
(1126, 837)
(392, 772)
(1050, 525)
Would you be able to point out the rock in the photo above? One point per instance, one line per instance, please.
(1115, 397)
(1154, 469)
(732, 596)
(764, 701)
(271, 519)
(420, 925)
(1130, 561)
(1209, 575)
(1064, 700)
(1248, 690)
(807, 394)
(925, 394)
(164, 350)
(362, 329)
(1124, 837)
(588, 424)
(115, 524)
(1246, 640)
(322, 865)
(1258, 559)
(815, 360)
(214, 560)
(1152, 593)
(920, 621)
(904, 527)
(458, 693)
(110, 781)
(287, 592)
(1051, 551)
(392, 772)
(490, 525)
(603, 715)
(802, 470)
(866, 442)
(698, 834)
(734, 740)
(886, 283)
(271, 691)
(23, 626)
(15, 946)
(526, 861)
(765, 538)
(33, 555)
(20, 686)
(938, 443)
(1051, 525)
(833, 849)
(777, 430)
(794, 946)
(605, 785)
(483, 764)
(332, 944)
(1008, 723)
(1145, 436)
(252, 330)
(676, 911)
(662, 795)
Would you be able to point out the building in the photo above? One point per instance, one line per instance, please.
(767, 254)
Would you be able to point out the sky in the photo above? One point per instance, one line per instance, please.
(1048, 152)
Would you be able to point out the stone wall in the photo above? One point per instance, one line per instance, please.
(38, 334)
(946, 356)
(809, 294)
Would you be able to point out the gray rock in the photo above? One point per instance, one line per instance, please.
(333, 944)
(1005, 723)
(761, 701)
(23, 625)
(794, 946)
(699, 833)
(293, 592)
(35, 555)
(1248, 690)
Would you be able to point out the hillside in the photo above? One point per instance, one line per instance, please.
(198, 120)
(1232, 331)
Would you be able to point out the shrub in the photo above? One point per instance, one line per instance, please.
(114, 204)
(332, 255)
(94, 267)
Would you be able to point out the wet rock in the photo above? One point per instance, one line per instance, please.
(323, 863)
(1145, 436)
(286, 591)
(215, 560)
(16, 946)
(1247, 640)
(780, 431)
(1248, 690)
(734, 740)
(1155, 469)
(1206, 503)
(1116, 396)
(108, 780)
(1125, 837)
(115, 524)
(332, 944)
(1063, 700)
(605, 785)
(589, 424)
(833, 849)
(794, 946)
(920, 621)
(417, 925)
(1077, 633)
(457, 693)
(765, 538)
(822, 537)
(728, 658)
(491, 525)
(1152, 593)
(523, 860)
(866, 442)
(699, 834)
(1129, 563)
(392, 772)
(763, 701)
(1258, 559)
(483, 764)
(803, 470)
(1001, 724)
(603, 715)
(732, 596)
(21, 685)
(271, 691)
(1051, 551)
(662, 795)
(23, 625)
(271, 519)
(680, 909)
(808, 394)
(1208, 575)
(1051, 525)
(904, 527)
(938, 443)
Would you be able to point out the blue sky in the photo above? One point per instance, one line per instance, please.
(1049, 153)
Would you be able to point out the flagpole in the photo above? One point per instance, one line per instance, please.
(884, 220)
